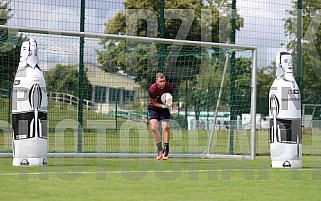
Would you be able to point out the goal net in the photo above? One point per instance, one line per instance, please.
(97, 87)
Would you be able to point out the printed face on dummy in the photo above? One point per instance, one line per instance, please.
(29, 52)
(24, 51)
(286, 62)
(32, 59)
(33, 47)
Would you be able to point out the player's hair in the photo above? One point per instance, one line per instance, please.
(160, 75)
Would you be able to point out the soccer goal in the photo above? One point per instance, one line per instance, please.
(97, 87)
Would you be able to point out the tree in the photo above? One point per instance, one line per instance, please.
(64, 79)
(144, 60)
(265, 78)
(206, 86)
(10, 44)
(311, 48)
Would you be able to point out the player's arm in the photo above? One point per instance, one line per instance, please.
(170, 90)
(156, 104)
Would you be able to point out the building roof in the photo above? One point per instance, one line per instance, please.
(98, 77)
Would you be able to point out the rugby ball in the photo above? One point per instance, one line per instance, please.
(166, 98)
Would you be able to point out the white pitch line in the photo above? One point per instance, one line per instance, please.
(150, 171)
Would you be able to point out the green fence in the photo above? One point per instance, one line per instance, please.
(96, 79)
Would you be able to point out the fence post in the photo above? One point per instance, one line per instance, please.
(299, 54)
(81, 76)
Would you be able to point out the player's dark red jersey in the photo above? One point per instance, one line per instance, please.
(156, 93)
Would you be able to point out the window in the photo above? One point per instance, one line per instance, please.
(128, 96)
(100, 94)
(113, 95)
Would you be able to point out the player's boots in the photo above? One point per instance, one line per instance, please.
(160, 155)
(166, 152)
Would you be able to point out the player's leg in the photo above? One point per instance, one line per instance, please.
(166, 136)
(153, 116)
(165, 117)
(157, 137)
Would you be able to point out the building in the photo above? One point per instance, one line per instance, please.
(112, 92)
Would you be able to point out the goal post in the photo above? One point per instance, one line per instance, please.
(117, 72)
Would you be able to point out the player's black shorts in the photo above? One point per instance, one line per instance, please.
(158, 113)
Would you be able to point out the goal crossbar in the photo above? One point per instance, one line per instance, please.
(124, 37)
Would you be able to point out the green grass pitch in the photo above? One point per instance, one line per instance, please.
(149, 179)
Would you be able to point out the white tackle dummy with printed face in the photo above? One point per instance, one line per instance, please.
(29, 110)
(285, 115)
